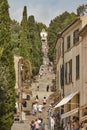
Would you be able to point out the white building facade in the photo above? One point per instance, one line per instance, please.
(74, 62)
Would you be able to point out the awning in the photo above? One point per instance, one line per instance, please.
(67, 114)
(66, 99)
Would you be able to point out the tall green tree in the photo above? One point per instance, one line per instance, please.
(82, 10)
(15, 30)
(23, 35)
(34, 45)
(57, 25)
(7, 72)
(40, 26)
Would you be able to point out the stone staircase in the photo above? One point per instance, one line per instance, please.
(45, 80)
(42, 82)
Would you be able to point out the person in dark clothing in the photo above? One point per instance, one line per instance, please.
(47, 88)
(37, 88)
(32, 125)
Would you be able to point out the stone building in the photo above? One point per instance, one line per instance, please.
(23, 74)
(83, 93)
(71, 75)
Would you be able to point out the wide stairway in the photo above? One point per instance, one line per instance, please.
(41, 81)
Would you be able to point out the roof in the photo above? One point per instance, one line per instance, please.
(83, 30)
(60, 33)
(77, 19)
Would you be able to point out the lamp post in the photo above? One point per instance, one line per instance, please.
(62, 68)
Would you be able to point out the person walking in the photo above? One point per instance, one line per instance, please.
(42, 125)
(38, 88)
(37, 99)
(40, 106)
(47, 88)
(44, 101)
(35, 108)
(50, 112)
(32, 125)
(52, 123)
(37, 125)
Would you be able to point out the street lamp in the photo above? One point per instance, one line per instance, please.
(59, 36)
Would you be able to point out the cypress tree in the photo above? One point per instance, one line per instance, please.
(34, 45)
(23, 35)
(7, 72)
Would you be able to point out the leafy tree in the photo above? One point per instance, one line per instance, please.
(26, 40)
(23, 35)
(40, 26)
(15, 30)
(7, 72)
(82, 10)
(57, 25)
(34, 45)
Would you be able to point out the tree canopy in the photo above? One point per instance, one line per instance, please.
(7, 72)
(82, 10)
(34, 45)
(57, 25)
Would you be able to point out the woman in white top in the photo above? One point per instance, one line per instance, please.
(40, 108)
(52, 123)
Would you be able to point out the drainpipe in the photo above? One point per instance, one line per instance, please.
(62, 75)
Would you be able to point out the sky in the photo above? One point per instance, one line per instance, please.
(43, 10)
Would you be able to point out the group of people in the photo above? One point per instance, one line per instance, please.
(36, 106)
(38, 124)
(74, 124)
(45, 69)
(51, 119)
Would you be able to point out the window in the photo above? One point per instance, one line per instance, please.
(77, 100)
(59, 50)
(65, 73)
(76, 36)
(77, 67)
(68, 72)
(69, 105)
(62, 75)
(68, 42)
